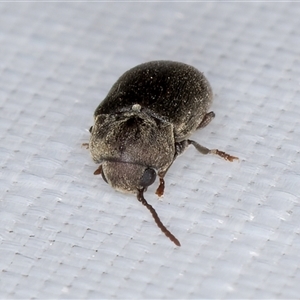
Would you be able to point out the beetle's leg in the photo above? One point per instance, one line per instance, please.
(180, 147)
(87, 145)
(206, 120)
(98, 171)
(205, 150)
(161, 188)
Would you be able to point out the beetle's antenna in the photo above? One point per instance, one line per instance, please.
(141, 198)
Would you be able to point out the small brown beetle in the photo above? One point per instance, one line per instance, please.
(145, 122)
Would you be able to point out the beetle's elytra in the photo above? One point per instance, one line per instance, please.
(145, 122)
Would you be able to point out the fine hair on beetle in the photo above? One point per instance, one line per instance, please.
(145, 122)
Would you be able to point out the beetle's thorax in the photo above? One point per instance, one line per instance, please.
(133, 137)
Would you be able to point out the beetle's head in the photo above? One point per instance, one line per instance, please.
(127, 177)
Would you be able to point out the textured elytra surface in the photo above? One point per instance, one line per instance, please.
(65, 233)
(172, 91)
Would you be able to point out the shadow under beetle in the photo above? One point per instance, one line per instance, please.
(145, 122)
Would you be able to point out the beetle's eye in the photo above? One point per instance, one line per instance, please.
(91, 128)
(148, 177)
(103, 176)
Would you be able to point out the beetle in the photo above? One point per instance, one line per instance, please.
(145, 122)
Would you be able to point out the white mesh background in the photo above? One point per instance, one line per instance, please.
(64, 233)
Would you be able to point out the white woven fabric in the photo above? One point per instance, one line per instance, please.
(64, 233)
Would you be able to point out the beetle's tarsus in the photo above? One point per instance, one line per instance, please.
(223, 154)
